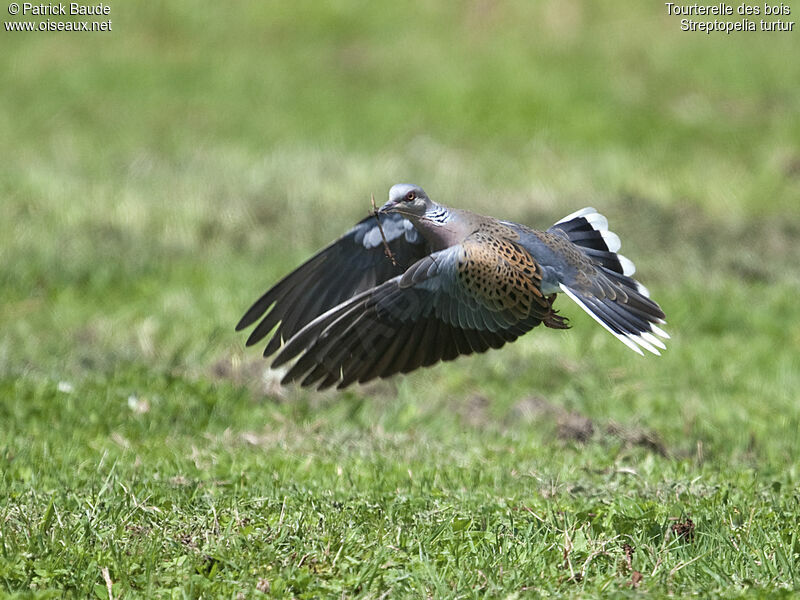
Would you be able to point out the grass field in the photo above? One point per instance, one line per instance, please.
(157, 178)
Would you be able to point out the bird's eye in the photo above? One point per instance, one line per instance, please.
(410, 196)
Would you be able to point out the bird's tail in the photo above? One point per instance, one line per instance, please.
(614, 299)
(588, 229)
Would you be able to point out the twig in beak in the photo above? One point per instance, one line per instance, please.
(386, 249)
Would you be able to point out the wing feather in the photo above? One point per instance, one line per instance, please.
(416, 319)
(354, 263)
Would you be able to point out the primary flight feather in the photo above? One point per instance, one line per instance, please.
(459, 283)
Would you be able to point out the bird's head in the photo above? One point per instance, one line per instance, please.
(407, 199)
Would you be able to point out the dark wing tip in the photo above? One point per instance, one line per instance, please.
(256, 311)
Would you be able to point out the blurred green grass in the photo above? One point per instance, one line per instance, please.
(156, 179)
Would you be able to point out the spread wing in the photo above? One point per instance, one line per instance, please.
(353, 263)
(464, 299)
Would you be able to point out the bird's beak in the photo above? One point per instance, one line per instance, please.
(388, 207)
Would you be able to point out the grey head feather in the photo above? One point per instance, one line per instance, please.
(399, 191)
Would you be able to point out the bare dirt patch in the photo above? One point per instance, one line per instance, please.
(572, 426)
(253, 373)
(684, 530)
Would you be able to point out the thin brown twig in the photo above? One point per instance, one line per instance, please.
(386, 249)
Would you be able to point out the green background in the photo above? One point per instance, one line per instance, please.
(155, 179)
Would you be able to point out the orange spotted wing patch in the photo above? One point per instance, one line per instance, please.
(501, 275)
